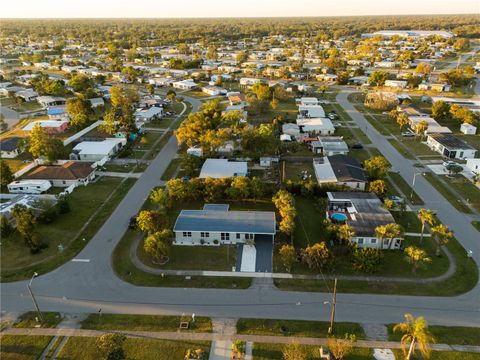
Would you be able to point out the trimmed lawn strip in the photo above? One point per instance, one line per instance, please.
(401, 149)
(85, 348)
(264, 351)
(453, 335)
(398, 180)
(476, 225)
(441, 355)
(144, 323)
(447, 194)
(170, 171)
(296, 328)
(465, 188)
(23, 347)
(27, 320)
(463, 280)
(408, 220)
(214, 258)
(127, 271)
(82, 202)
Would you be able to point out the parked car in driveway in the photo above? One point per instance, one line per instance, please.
(408, 134)
(448, 163)
(357, 146)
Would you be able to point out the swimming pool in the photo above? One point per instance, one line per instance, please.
(339, 217)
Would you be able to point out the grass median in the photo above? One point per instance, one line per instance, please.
(447, 193)
(452, 335)
(406, 189)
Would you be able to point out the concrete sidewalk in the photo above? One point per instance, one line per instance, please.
(223, 338)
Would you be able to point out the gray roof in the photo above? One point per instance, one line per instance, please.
(216, 207)
(254, 222)
(346, 168)
(451, 142)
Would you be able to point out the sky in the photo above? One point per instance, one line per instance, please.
(228, 8)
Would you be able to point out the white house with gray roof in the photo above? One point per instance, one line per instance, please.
(215, 224)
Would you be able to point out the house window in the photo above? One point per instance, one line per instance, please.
(187, 234)
(225, 236)
(373, 241)
(360, 241)
(204, 234)
(248, 236)
(238, 235)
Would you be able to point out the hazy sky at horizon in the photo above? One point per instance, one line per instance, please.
(225, 8)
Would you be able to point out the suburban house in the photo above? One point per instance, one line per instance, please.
(340, 170)
(50, 126)
(47, 101)
(306, 101)
(363, 212)
(320, 126)
(433, 126)
(310, 111)
(249, 81)
(148, 114)
(473, 165)
(64, 175)
(97, 150)
(9, 147)
(450, 146)
(188, 84)
(215, 224)
(402, 84)
(27, 95)
(291, 129)
(213, 90)
(29, 186)
(222, 168)
(96, 102)
(329, 145)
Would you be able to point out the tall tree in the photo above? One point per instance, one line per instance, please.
(426, 217)
(25, 225)
(287, 256)
(378, 187)
(388, 231)
(415, 333)
(416, 256)
(377, 167)
(442, 235)
(6, 175)
(316, 256)
(157, 245)
(345, 233)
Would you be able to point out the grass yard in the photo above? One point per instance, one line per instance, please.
(171, 169)
(296, 328)
(310, 227)
(463, 186)
(214, 258)
(128, 272)
(401, 149)
(295, 170)
(84, 348)
(27, 320)
(144, 323)
(463, 280)
(86, 205)
(405, 188)
(442, 355)
(22, 347)
(408, 220)
(263, 351)
(453, 335)
(147, 140)
(476, 225)
(447, 193)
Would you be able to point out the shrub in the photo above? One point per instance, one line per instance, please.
(63, 206)
(367, 260)
(215, 242)
(202, 242)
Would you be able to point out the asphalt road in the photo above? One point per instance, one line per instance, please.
(78, 287)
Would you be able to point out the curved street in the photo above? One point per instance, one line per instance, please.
(78, 287)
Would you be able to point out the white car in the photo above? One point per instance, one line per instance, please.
(449, 163)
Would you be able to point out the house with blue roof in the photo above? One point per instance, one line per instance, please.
(215, 224)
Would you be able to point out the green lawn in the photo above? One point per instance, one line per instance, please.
(294, 170)
(453, 335)
(86, 205)
(408, 220)
(296, 328)
(401, 149)
(310, 227)
(147, 140)
(127, 271)
(144, 323)
(22, 347)
(170, 171)
(447, 193)
(463, 186)
(214, 258)
(404, 187)
(463, 280)
(476, 225)
(443, 355)
(263, 351)
(84, 348)
(27, 320)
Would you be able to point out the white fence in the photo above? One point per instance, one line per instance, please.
(82, 132)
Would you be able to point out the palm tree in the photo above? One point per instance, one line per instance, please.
(388, 231)
(426, 217)
(442, 235)
(416, 257)
(415, 333)
(345, 232)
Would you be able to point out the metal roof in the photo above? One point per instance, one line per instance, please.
(253, 222)
(216, 207)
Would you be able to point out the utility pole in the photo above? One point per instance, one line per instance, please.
(334, 302)
(29, 287)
